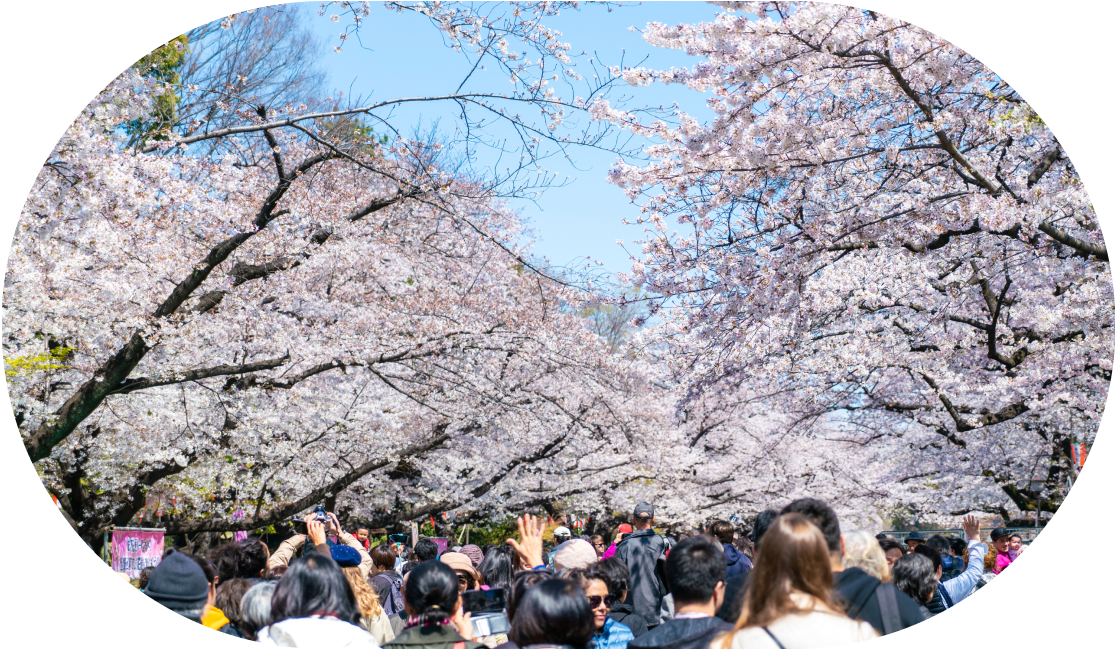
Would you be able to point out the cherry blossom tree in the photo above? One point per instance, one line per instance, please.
(881, 228)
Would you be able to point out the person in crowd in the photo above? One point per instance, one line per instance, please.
(425, 550)
(474, 554)
(1015, 547)
(145, 577)
(621, 531)
(641, 551)
(789, 600)
(561, 535)
(180, 584)
(913, 540)
(228, 599)
(467, 576)
(372, 616)
(952, 591)
(598, 544)
(575, 553)
(212, 616)
(255, 556)
(363, 539)
(914, 575)
(314, 606)
(949, 566)
(958, 548)
(255, 608)
(734, 587)
(608, 634)
(746, 548)
(615, 575)
(862, 551)
(1000, 538)
(892, 551)
(227, 558)
(496, 569)
(523, 581)
(553, 612)
(695, 570)
(736, 562)
(319, 542)
(433, 606)
(387, 584)
(860, 595)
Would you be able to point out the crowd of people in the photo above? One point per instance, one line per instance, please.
(794, 580)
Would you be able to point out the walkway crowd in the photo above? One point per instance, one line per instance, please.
(794, 581)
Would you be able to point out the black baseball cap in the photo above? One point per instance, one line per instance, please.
(998, 533)
(644, 510)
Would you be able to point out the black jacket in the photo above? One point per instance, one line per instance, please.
(641, 551)
(734, 588)
(855, 589)
(738, 564)
(682, 634)
(625, 614)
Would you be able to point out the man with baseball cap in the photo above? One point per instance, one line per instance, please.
(644, 553)
(913, 540)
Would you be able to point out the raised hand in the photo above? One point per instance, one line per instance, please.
(529, 547)
(971, 527)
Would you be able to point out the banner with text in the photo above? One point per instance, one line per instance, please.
(134, 550)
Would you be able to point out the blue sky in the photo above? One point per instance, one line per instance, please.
(403, 55)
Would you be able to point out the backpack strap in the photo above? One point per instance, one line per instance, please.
(888, 608)
(945, 596)
(855, 608)
(780, 646)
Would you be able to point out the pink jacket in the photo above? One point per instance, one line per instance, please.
(609, 552)
(1001, 561)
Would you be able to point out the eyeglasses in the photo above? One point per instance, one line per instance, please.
(595, 600)
(599, 545)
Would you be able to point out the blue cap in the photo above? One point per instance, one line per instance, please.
(345, 556)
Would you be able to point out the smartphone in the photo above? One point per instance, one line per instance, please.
(484, 601)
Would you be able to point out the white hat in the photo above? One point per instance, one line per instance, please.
(577, 553)
(562, 531)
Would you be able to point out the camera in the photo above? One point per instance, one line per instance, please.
(320, 515)
(488, 610)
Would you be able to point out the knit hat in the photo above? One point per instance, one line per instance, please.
(458, 561)
(345, 556)
(576, 553)
(178, 583)
(474, 553)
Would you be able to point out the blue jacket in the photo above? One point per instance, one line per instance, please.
(613, 636)
(738, 564)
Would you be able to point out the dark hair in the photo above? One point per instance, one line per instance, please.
(723, 531)
(228, 598)
(915, 575)
(1015, 536)
(255, 555)
(407, 567)
(496, 569)
(745, 547)
(431, 590)
(488, 548)
(762, 523)
(554, 611)
(958, 546)
(383, 555)
(820, 515)
(524, 580)
(425, 550)
(925, 550)
(938, 543)
(613, 572)
(889, 544)
(314, 585)
(693, 569)
(277, 571)
(227, 559)
(145, 576)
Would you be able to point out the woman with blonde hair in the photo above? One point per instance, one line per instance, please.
(862, 551)
(789, 603)
(372, 616)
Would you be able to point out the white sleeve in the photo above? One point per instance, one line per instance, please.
(964, 584)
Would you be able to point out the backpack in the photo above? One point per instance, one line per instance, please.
(394, 603)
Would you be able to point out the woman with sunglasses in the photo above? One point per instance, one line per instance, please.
(608, 633)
